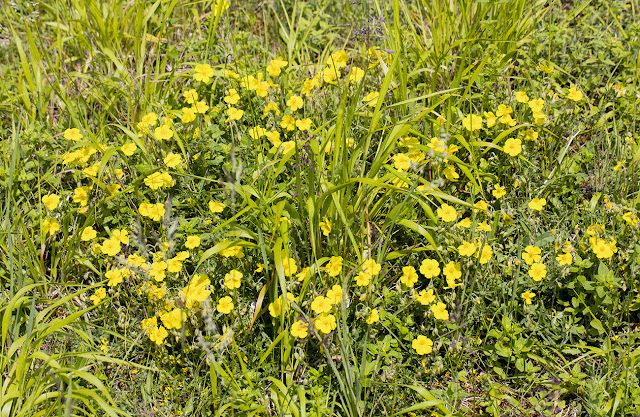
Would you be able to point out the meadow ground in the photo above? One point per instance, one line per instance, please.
(320, 208)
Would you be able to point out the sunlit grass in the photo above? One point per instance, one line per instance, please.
(319, 209)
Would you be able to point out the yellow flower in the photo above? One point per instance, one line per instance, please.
(416, 156)
(152, 211)
(521, 97)
(546, 68)
(628, 217)
(538, 271)
(233, 97)
(439, 311)
(508, 120)
(274, 138)
(325, 226)
(188, 115)
(309, 85)
(355, 74)
(302, 274)
(330, 74)
(370, 266)
(231, 74)
(110, 247)
(270, 107)
(472, 122)
(437, 145)
(485, 256)
(602, 248)
(114, 276)
(467, 249)
(203, 73)
(574, 94)
(531, 135)
(288, 146)
(338, 59)
(290, 267)
(536, 105)
(513, 147)
(450, 173)
(288, 122)
(374, 317)
(275, 308)
(225, 305)
(409, 276)
(295, 103)
(148, 324)
(371, 99)
(235, 114)
(196, 292)
(565, 258)
(465, 223)
(326, 323)
(172, 160)
(503, 110)
(154, 180)
(232, 280)
(200, 107)
(232, 251)
(173, 319)
(190, 96)
(334, 295)
(334, 267)
(158, 335)
(275, 66)
(135, 260)
(129, 148)
(174, 265)
(363, 279)
(528, 296)
(163, 132)
(92, 171)
(257, 132)
(81, 195)
(216, 207)
(447, 213)
(531, 254)
(481, 205)
(491, 119)
(192, 242)
(537, 203)
(430, 268)
(303, 124)
(182, 256)
(88, 233)
(98, 296)
(484, 226)
(299, 329)
(321, 304)
(401, 162)
(263, 88)
(498, 191)
(422, 345)
(221, 6)
(73, 134)
(425, 297)
(51, 201)
(452, 270)
(50, 226)
(149, 119)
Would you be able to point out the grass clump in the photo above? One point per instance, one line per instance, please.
(319, 208)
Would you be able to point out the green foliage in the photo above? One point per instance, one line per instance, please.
(320, 208)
